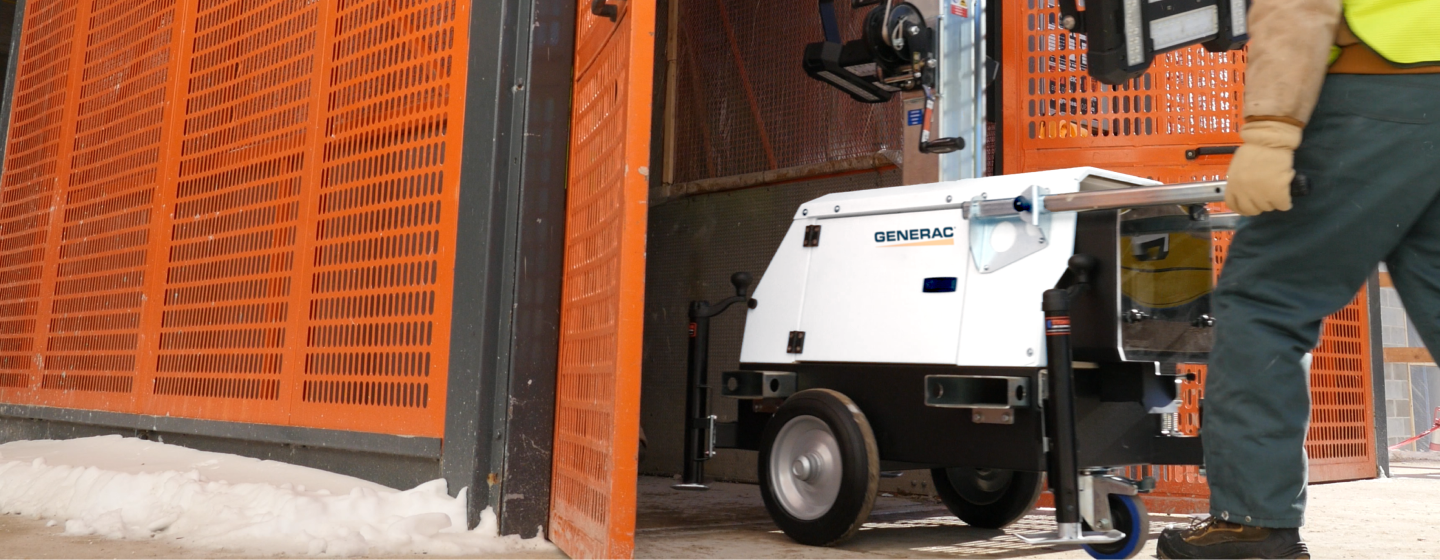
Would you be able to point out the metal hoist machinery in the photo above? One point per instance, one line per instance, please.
(1006, 333)
(916, 47)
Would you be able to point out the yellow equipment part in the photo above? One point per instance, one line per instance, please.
(1165, 270)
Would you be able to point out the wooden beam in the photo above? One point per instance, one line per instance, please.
(884, 159)
(1408, 356)
(672, 89)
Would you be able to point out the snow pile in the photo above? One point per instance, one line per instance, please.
(130, 488)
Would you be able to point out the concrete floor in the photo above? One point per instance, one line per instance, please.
(1391, 518)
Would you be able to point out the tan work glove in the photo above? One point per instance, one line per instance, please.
(1263, 167)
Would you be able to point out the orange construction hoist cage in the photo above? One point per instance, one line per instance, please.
(244, 210)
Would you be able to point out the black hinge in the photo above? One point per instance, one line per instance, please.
(797, 341)
(812, 236)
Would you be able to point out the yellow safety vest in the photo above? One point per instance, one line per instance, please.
(1404, 32)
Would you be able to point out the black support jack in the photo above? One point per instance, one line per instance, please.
(699, 424)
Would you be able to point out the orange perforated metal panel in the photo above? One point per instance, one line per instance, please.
(378, 272)
(597, 417)
(98, 70)
(226, 281)
(1341, 442)
(237, 210)
(1055, 116)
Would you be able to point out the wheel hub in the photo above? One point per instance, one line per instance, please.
(805, 468)
(980, 486)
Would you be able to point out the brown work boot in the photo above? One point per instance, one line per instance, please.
(1213, 538)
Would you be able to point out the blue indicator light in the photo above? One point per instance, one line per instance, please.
(939, 285)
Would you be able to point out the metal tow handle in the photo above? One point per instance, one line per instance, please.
(1183, 193)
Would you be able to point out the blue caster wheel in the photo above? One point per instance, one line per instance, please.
(1129, 516)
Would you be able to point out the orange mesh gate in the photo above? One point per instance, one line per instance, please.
(235, 210)
(597, 418)
(1055, 116)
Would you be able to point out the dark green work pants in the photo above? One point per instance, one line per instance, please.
(1371, 153)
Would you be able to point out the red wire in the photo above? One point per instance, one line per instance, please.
(1432, 430)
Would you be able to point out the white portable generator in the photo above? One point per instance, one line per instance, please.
(991, 330)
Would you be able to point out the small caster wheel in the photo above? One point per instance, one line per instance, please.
(987, 498)
(819, 467)
(1128, 516)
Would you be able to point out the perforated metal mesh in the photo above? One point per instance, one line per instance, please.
(380, 278)
(745, 105)
(251, 224)
(1055, 116)
(1341, 443)
(597, 397)
(1189, 97)
(242, 166)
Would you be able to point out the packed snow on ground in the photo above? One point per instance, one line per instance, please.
(135, 489)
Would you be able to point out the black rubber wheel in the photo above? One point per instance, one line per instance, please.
(987, 498)
(819, 467)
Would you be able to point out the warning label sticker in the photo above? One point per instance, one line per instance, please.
(960, 8)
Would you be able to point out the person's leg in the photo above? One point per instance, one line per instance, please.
(1372, 162)
(1371, 156)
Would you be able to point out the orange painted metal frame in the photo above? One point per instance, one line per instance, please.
(597, 418)
(1055, 116)
(237, 210)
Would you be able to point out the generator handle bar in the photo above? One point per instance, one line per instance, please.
(1183, 193)
(1203, 192)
